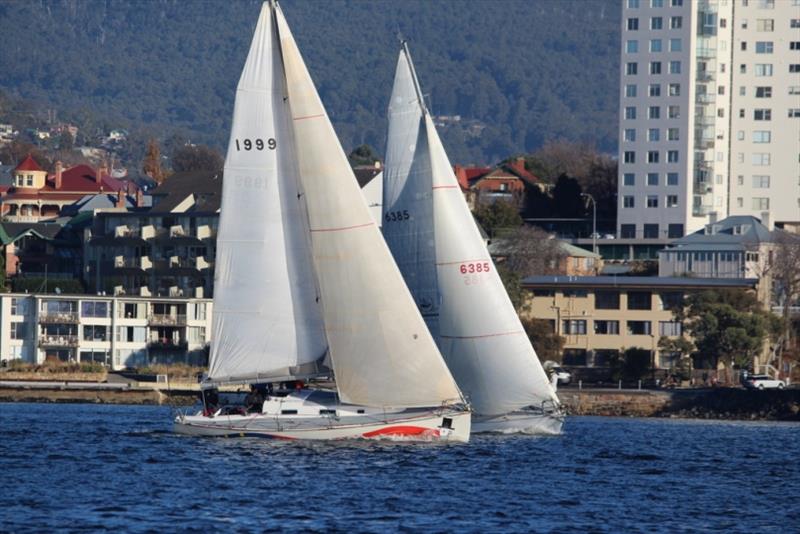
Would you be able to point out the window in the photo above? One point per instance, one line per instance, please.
(740, 135)
(676, 22)
(653, 134)
(760, 203)
(654, 89)
(723, 23)
(629, 179)
(739, 202)
(794, 67)
(674, 67)
(577, 293)
(574, 326)
(671, 300)
(762, 114)
(91, 308)
(18, 330)
(762, 136)
(676, 3)
(675, 45)
(672, 134)
(652, 156)
(638, 328)
(764, 47)
(654, 112)
(744, 46)
(606, 300)
(761, 159)
(675, 230)
(655, 45)
(650, 231)
(652, 178)
(744, 23)
(656, 23)
(606, 328)
(766, 4)
(721, 112)
(765, 25)
(669, 328)
(627, 231)
(630, 90)
(672, 156)
(763, 69)
(632, 47)
(741, 113)
(629, 156)
(674, 112)
(633, 4)
(629, 134)
(794, 113)
(760, 182)
(794, 23)
(672, 178)
(674, 89)
(29, 180)
(655, 67)
(95, 332)
(656, 3)
(794, 45)
(627, 201)
(574, 357)
(652, 201)
(633, 24)
(743, 69)
(763, 92)
(672, 201)
(721, 90)
(630, 112)
(631, 68)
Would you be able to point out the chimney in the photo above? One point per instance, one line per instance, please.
(121, 198)
(59, 171)
(520, 161)
(767, 221)
(139, 198)
(98, 176)
(712, 217)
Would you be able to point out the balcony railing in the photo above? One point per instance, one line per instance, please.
(58, 317)
(158, 319)
(52, 340)
(143, 263)
(199, 263)
(167, 344)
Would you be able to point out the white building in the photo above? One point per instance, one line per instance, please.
(709, 114)
(120, 332)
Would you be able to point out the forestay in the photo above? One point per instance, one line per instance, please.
(267, 321)
(382, 352)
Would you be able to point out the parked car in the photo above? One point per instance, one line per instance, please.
(553, 369)
(763, 382)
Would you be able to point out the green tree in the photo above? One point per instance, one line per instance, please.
(151, 166)
(497, 216)
(196, 158)
(683, 348)
(567, 198)
(548, 344)
(633, 364)
(363, 155)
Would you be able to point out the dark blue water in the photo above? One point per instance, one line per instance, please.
(95, 467)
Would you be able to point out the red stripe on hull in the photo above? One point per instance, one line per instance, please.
(401, 431)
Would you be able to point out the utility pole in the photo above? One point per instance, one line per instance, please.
(594, 221)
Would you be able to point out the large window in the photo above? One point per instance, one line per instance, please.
(573, 326)
(639, 300)
(650, 231)
(92, 308)
(671, 300)
(18, 330)
(669, 328)
(638, 328)
(95, 332)
(574, 357)
(627, 231)
(576, 293)
(606, 300)
(606, 328)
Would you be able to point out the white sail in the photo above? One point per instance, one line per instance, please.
(264, 283)
(382, 352)
(479, 332)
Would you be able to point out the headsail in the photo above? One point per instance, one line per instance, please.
(382, 352)
(479, 331)
(267, 319)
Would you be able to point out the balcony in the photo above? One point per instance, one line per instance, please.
(198, 263)
(58, 317)
(167, 344)
(51, 340)
(158, 319)
(203, 232)
(177, 231)
(142, 264)
(148, 232)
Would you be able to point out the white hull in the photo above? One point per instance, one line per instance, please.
(340, 422)
(522, 422)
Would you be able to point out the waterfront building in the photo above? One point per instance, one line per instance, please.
(119, 332)
(709, 114)
(601, 316)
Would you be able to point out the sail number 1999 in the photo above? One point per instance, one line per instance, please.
(476, 267)
(258, 144)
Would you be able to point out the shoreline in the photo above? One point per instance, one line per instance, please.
(717, 403)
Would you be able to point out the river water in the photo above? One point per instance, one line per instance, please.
(102, 467)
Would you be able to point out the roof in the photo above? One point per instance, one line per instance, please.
(83, 178)
(737, 229)
(28, 164)
(579, 252)
(10, 232)
(205, 188)
(644, 282)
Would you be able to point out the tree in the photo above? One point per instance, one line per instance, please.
(633, 364)
(498, 215)
(683, 348)
(729, 326)
(785, 270)
(363, 155)
(530, 251)
(196, 158)
(151, 166)
(567, 198)
(548, 344)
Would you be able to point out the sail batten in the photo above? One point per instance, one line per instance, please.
(477, 327)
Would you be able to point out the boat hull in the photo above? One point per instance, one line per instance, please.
(410, 425)
(521, 422)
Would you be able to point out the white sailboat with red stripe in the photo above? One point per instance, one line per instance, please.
(305, 285)
(438, 248)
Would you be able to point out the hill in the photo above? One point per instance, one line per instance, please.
(517, 72)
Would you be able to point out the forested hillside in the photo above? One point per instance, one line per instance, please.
(518, 72)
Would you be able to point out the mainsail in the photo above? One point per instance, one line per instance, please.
(478, 330)
(327, 273)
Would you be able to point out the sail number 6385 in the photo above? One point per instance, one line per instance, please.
(477, 267)
(258, 144)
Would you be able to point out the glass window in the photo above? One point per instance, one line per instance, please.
(630, 112)
(674, 112)
(674, 67)
(652, 178)
(629, 156)
(633, 24)
(675, 45)
(675, 230)
(18, 330)
(576, 293)
(672, 156)
(627, 231)
(674, 89)
(760, 203)
(633, 4)
(672, 178)
(631, 68)
(654, 112)
(676, 22)
(764, 47)
(652, 156)
(655, 45)
(761, 159)
(653, 134)
(764, 70)
(760, 182)
(652, 201)
(762, 114)
(574, 326)
(606, 328)
(650, 231)
(655, 67)
(638, 328)
(765, 25)
(629, 134)
(627, 202)
(672, 134)
(91, 308)
(762, 136)
(669, 328)
(606, 300)
(630, 90)
(656, 23)
(672, 201)
(629, 179)
(764, 92)
(654, 89)
(632, 46)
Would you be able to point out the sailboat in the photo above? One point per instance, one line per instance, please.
(438, 248)
(305, 284)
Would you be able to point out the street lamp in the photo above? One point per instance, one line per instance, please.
(594, 221)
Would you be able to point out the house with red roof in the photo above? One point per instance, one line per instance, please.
(35, 195)
(507, 181)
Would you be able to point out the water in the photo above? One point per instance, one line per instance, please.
(101, 467)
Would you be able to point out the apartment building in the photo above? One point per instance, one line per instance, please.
(709, 118)
(120, 332)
